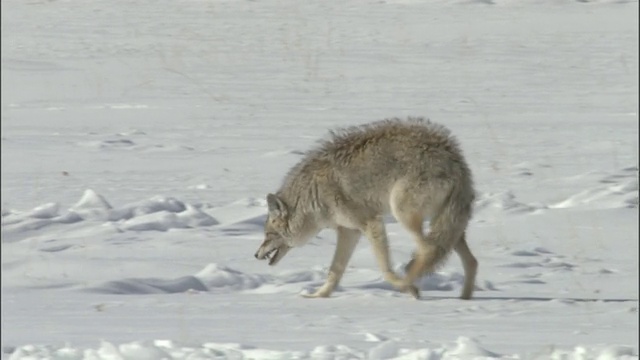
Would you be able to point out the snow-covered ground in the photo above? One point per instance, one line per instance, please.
(139, 139)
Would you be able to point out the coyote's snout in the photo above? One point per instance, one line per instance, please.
(277, 242)
(413, 169)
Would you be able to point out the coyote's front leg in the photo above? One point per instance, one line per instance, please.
(347, 241)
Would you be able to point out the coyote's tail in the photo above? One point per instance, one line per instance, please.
(450, 222)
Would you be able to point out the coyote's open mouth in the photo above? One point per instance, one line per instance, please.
(273, 252)
(276, 254)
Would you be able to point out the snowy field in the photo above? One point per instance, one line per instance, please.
(139, 139)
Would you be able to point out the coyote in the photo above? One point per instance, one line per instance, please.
(413, 169)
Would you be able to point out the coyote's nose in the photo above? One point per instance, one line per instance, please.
(256, 254)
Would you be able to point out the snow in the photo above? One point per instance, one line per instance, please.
(139, 139)
(462, 348)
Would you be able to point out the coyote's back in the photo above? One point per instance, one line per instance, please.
(369, 161)
(413, 169)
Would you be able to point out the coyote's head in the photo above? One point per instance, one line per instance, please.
(278, 238)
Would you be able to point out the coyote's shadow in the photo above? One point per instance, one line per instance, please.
(532, 298)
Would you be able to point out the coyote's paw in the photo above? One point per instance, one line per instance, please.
(403, 285)
(411, 289)
(316, 295)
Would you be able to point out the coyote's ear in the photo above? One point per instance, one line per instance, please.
(277, 207)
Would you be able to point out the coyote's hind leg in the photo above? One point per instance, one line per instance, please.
(470, 265)
(376, 233)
